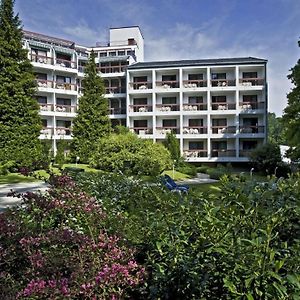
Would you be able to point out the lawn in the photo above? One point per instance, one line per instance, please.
(15, 178)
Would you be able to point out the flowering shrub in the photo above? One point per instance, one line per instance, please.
(56, 246)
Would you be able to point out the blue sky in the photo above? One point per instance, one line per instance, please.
(183, 29)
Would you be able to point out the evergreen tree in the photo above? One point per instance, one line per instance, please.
(92, 121)
(172, 144)
(291, 116)
(20, 123)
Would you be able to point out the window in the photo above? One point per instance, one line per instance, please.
(195, 77)
(131, 52)
(38, 52)
(41, 76)
(140, 101)
(42, 99)
(113, 53)
(168, 100)
(218, 99)
(219, 145)
(249, 145)
(131, 41)
(196, 146)
(121, 52)
(250, 98)
(63, 123)
(250, 121)
(249, 74)
(219, 122)
(169, 123)
(140, 79)
(63, 79)
(168, 77)
(61, 56)
(195, 122)
(103, 54)
(44, 123)
(63, 101)
(140, 123)
(195, 99)
(218, 76)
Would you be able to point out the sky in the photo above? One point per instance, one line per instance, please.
(183, 29)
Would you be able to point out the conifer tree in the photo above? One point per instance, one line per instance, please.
(20, 123)
(92, 121)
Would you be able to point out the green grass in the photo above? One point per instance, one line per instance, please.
(177, 175)
(213, 187)
(15, 178)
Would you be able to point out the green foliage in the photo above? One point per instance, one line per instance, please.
(60, 158)
(266, 158)
(172, 144)
(4, 168)
(129, 154)
(290, 117)
(92, 121)
(217, 173)
(187, 168)
(275, 130)
(20, 123)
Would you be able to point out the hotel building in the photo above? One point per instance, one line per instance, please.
(216, 107)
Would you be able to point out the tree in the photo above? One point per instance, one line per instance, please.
(92, 121)
(275, 130)
(291, 116)
(172, 144)
(20, 123)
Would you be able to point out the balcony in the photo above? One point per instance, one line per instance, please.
(144, 85)
(112, 69)
(42, 83)
(251, 129)
(140, 108)
(195, 153)
(194, 106)
(66, 63)
(223, 129)
(223, 153)
(142, 130)
(223, 106)
(251, 81)
(63, 131)
(47, 131)
(66, 108)
(117, 111)
(167, 84)
(167, 129)
(46, 107)
(194, 130)
(245, 153)
(167, 107)
(65, 86)
(42, 59)
(222, 82)
(115, 90)
(194, 83)
(252, 105)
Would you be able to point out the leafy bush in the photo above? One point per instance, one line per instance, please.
(56, 246)
(4, 168)
(202, 169)
(217, 173)
(187, 168)
(131, 155)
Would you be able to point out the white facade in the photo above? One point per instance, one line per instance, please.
(217, 108)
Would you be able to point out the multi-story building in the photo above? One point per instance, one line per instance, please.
(216, 107)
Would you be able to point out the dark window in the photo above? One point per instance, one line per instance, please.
(169, 123)
(219, 122)
(219, 145)
(140, 101)
(249, 98)
(218, 99)
(131, 52)
(63, 79)
(113, 53)
(140, 123)
(249, 74)
(195, 99)
(38, 52)
(195, 122)
(42, 99)
(195, 77)
(121, 53)
(41, 76)
(168, 77)
(44, 123)
(63, 56)
(196, 145)
(103, 54)
(218, 76)
(63, 123)
(140, 79)
(168, 100)
(63, 101)
(250, 121)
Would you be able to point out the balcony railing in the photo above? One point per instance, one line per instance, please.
(252, 105)
(66, 108)
(46, 107)
(194, 83)
(140, 108)
(195, 153)
(168, 129)
(223, 153)
(167, 107)
(251, 81)
(223, 129)
(222, 82)
(142, 130)
(141, 85)
(115, 90)
(252, 129)
(63, 131)
(66, 63)
(117, 111)
(112, 69)
(65, 86)
(194, 130)
(194, 106)
(42, 83)
(168, 84)
(223, 106)
(42, 59)
(47, 131)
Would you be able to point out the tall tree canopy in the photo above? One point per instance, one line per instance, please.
(275, 130)
(291, 116)
(20, 123)
(92, 121)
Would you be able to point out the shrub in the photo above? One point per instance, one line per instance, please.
(202, 169)
(187, 168)
(56, 246)
(216, 173)
(4, 168)
(131, 155)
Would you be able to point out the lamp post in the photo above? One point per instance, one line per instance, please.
(251, 172)
(77, 160)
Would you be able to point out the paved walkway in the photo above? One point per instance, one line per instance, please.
(196, 181)
(6, 201)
